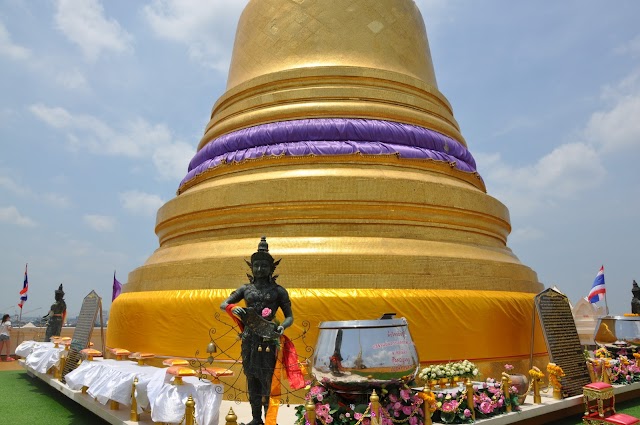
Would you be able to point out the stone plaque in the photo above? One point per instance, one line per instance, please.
(562, 340)
(82, 334)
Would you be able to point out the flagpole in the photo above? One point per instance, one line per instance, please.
(605, 303)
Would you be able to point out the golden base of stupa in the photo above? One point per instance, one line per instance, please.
(334, 142)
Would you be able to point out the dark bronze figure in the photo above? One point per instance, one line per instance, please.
(260, 337)
(635, 302)
(55, 316)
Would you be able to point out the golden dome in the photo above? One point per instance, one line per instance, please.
(336, 58)
(276, 35)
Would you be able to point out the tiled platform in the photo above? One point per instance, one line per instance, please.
(548, 411)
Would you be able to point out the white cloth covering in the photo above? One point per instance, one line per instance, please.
(43, 355)
(111, 380)
(26, 347)
(168, 400)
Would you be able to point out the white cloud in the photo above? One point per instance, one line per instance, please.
(140, 203)
(54, 199)
(206, 28)
(73, 80)
(83, 22)
(567, 171)
(138, 139)
(55, 117)
(171, 160)
(632, 47)
(572, 168)
(9, 48)
(57, 200)
(11, 215)
(616, 127)
(100, 223)
(12, 186)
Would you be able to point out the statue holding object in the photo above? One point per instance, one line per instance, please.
(56, 315)
(260, 334)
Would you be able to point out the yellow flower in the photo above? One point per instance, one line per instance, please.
(535, 373)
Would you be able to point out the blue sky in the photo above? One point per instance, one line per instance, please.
(103, 104)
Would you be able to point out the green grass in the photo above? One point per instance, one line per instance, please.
(29, 401)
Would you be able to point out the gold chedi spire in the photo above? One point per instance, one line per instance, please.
(335, 58)
(333, 140)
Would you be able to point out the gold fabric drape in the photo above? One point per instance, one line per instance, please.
(488, 325)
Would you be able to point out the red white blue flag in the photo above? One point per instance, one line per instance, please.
(597, 289)
(25, 288)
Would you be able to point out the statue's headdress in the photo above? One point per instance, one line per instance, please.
(263, 254)
(60, 291)
(635, 289)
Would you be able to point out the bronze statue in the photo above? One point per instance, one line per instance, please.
(260, 336)
(55, 316)
(635, 302)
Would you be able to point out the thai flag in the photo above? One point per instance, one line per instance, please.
(25, 289)
(598, 287)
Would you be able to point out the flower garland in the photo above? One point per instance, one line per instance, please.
(555, 372)
(536, 373)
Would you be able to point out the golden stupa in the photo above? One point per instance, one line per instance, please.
(333, 140)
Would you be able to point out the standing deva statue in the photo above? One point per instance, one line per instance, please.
(261, 334)
(55, 316)
(635, 301)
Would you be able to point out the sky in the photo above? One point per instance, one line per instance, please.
(102, 104)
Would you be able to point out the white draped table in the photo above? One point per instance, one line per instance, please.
(39, 356)
(107, 379)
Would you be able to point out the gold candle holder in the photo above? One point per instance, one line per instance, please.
(133, 414)
(470, 400)
(190, 411)
(506, 381)
(375, 408)
(232, 419)
(310, 408)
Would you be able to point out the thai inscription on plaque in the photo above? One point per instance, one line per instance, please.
(82, 334)
(562, 340)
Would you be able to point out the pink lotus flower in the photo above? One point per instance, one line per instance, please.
(316, 390)
(467, 413)
(485, 407)
(449, 406)
(266, 312)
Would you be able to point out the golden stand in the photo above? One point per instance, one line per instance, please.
(133, 415)
(190, 412)
(232, 419)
